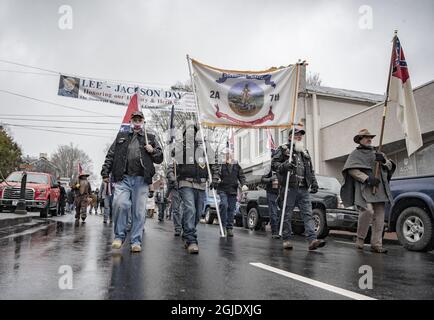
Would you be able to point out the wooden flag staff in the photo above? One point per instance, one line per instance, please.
(291, 150)
(383, 121)
(204, 146)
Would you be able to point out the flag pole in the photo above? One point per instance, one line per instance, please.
(291, 150)
(204, 145)
(136, 91)
(383, 121)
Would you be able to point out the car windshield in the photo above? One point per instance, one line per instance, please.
(329, 183)
(31, 178)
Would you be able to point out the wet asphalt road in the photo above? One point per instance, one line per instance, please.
(30, 262)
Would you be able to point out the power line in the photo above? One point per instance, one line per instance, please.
(81, 76)
(70, 121)
(29, 72)
(58, 116)
(63, 132)
(26, 65)
(49, 102)
(65, 121)
(57, 127)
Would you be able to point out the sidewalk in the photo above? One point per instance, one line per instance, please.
(8, 219)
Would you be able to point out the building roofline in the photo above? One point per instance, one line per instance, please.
(344, 93)
(374, 106)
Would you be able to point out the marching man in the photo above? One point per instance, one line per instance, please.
(359, 185)
(301, 180)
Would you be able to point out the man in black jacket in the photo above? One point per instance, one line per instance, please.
(130, 161)
(301, 179)
(62, 199)
(230, 173)
(272, 187)
(191, 178)
(175, 200)
(161, 201)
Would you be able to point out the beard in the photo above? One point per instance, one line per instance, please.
(299, 146)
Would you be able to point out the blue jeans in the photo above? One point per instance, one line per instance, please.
(161, 210)
(301, 198)
(130, 195)
(192, 207)
(176, 210)
(227, 207)
(108, 200)
(272, 210)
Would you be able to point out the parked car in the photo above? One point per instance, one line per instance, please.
(42, 193)
(412, 212)
(328, 210)
(209, 209)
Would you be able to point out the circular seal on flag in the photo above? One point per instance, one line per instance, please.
(246, 98)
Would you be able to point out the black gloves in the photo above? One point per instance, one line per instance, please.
(172, 185)
(372, 181)
(214, 184)
(379, 156)
(287, 166)
(314, 188)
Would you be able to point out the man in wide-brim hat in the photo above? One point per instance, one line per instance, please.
(358, 188)
(82, 191)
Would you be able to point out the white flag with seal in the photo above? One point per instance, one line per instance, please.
(245, 98)
(401, 92)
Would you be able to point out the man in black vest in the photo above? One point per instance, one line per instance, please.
(302, 180)
(131, 162)
(191, 178)
(161, 202)
(230, 173)
(272, 187)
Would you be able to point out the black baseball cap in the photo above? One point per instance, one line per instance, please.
(297, 131)
(137, 114)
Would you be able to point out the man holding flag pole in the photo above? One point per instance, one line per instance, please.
(252, 99)
(367, 171)
(130, 160)
(173, 192)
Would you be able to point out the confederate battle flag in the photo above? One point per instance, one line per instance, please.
(401, 93)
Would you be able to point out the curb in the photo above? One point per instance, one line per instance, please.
(12, 221)
(352, 237)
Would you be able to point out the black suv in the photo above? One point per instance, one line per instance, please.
(327, 209)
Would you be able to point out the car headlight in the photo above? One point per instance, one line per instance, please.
(39, 193)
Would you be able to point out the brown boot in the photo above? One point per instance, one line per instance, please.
(317, 243)
(193, 248)
(378, 249)
(287, 245)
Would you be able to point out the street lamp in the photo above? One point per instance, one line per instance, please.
(21, 205)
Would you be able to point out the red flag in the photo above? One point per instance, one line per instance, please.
(401, 93)
(80, 169)
(132, 107)
(271, 145)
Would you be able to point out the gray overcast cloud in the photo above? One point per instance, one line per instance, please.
(147, 41)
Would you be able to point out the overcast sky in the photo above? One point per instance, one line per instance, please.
(147, 41)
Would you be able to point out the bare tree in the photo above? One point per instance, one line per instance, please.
(313, 79)
(67, 157)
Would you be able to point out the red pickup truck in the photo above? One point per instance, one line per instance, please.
(42, 193)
